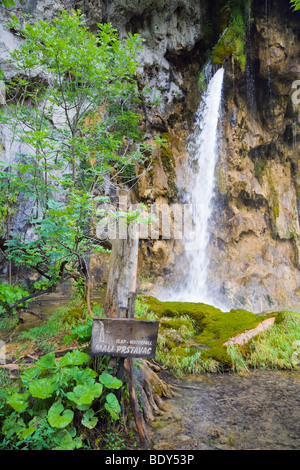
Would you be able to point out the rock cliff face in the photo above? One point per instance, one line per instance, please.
(254, 249)
(255, 240)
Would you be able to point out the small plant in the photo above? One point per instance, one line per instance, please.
(81, 333)
(232, 42)
(55, 401)
(113, 441)
(295, 4)
(59, 322)
(239, 363)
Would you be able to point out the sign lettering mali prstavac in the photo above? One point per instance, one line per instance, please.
(125, 337)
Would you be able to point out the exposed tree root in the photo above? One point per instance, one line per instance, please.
(151, 389)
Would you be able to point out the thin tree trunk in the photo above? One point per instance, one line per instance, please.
(122, 274)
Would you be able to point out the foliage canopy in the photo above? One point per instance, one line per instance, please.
(73, 105)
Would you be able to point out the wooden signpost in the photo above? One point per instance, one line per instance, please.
(124, 337)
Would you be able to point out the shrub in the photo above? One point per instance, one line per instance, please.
(55, 402)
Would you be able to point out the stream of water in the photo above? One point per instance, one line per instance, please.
(202, 190)
(259, 410)
(203, 148)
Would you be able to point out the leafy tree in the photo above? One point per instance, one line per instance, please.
(73, 104)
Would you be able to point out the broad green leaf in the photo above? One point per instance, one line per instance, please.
(109, 381)
(47, 361)
(29, 374)
(66, 442)
(18, 402)
(42, 388)
(74, 358)
(89, 420)
(72, 431)
(112, 405)
(85, 394)
(58, 417)
(82, 407)
(84, 377)
(27, 432)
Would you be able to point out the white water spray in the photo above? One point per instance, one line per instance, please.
(202, 190)
(203, 148)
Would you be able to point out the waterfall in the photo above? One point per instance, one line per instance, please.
(205, 154)
(203, 148)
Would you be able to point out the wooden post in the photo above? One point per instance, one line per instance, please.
(121, 283)
(122, 313)
(138, 416)
(131, 304)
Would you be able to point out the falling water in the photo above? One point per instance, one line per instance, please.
(205, 153)
(203, 148)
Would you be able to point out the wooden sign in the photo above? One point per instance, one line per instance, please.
(124, 337)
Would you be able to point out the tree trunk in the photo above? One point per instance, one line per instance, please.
(120, 302)
(122, 271)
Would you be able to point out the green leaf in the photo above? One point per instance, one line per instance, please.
(112, 405)
(58, 417)
(84, 377)
(85, 394)
(109, 381)
(89, 420)
(18, 401)
(66, 442)
(27, 432)
(12, 426)
(8, 3)
(29, 374)
(74, 358)
(47, 361)
(42, 388)
(72, 431)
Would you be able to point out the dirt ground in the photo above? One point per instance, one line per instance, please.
(259, 410)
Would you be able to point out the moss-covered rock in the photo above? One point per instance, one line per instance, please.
(195, 311)
(219, 328)
(202, 325)
(177, 324)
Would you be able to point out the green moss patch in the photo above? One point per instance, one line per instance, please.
(217, 328)
(232, 43)
(186, 328)
(196, 311)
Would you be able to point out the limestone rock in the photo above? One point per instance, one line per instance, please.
(244, 338)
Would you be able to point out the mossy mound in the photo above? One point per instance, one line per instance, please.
(195, 311)
(202, 325)
(217, 328)
(177, 324)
